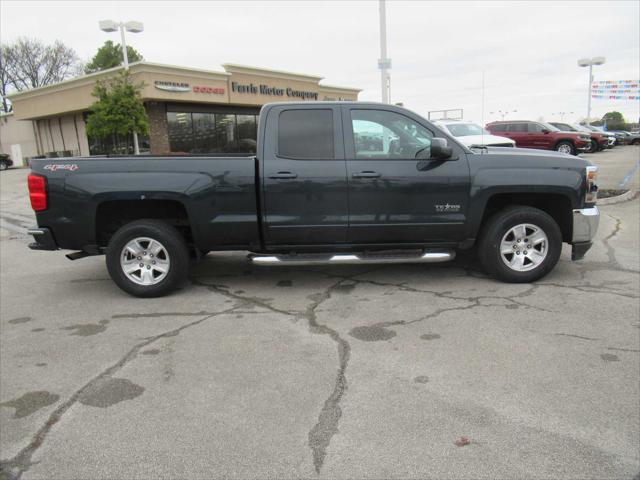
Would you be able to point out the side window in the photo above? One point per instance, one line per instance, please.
(383, 134)
(518, 127)
(500, 127)
(534, 127)
(306, 134)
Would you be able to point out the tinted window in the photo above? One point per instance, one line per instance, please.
(305, 133)
(500, 127)
(534, 127)
(180, 132)
(383, 134)
(225, 132)
(517, 127)
(204, 133)
(247, 133)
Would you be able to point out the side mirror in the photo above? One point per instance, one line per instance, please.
(440, 150)
(544, 130)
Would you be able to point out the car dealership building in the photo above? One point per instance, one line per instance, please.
(190, 110)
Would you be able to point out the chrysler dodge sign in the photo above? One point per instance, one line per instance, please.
(172, 86)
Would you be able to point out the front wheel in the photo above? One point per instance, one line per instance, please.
(520, 244)
(147, 258)
(593, 146)
(566, 147)
(3, 165)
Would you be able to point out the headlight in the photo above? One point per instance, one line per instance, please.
(592, 188)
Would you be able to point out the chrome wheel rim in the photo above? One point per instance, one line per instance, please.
(564, 148)
(145, 261)
(524, 247)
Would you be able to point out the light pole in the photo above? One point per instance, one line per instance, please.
(503, 114)
(384, 63)
(590, 62)
(133, 27)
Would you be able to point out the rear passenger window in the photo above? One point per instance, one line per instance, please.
(306, 134)
(501, 127)
(517, 127)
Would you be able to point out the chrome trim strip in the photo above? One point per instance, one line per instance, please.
(349, 259)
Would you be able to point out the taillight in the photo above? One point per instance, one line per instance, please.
(37, 192)
(592, 188)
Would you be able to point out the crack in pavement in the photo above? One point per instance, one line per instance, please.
(162, 314)
(327, 425)
(15, 467)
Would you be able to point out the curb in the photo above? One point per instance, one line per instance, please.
(625, 197)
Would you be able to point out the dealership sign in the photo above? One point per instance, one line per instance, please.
(202, 89)
(172, 86)
(273, 91)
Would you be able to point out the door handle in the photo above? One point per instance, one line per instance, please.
(284, 175)
(367, 174)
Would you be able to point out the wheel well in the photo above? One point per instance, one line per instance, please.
(557, 206)
(565, 140)
(112, 215)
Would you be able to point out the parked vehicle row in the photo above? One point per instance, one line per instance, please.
(541, 135)
(563, 137)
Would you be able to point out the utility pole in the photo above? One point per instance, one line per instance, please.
(384, 63)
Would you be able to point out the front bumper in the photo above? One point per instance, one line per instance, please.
(585, 226)
(43, 239)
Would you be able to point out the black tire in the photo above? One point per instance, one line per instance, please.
(497, 227)
(564, 143)
(173, 243)
(3, 165)
(593, 146)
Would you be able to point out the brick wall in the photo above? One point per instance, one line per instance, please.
(158, 128)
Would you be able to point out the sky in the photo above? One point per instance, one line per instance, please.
(527, 52)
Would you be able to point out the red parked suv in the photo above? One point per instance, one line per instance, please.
(541, 135)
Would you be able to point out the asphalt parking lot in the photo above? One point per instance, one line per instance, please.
(323, 372)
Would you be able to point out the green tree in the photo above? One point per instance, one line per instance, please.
(614, 120)
(110, 55)
(119, 110)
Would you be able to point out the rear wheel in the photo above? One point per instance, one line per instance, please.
(3, 165)
(520, 244)
(593, 146)
(147, 258)
(566, 147)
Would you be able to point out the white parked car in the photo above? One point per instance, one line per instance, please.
(471, 134)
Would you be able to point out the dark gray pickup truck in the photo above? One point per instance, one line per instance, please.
(332, 182)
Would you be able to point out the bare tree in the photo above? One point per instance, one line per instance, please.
(5, 81)
(30, 63)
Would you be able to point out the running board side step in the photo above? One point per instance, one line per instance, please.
(352, 258)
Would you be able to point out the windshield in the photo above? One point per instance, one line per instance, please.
(465, 129)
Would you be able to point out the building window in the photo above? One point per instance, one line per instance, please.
(180, 132)
(203, 132)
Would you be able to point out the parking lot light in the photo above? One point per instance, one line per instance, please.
(133, 27)
(590, 62)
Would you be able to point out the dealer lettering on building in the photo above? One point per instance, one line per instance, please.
(190, 110)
